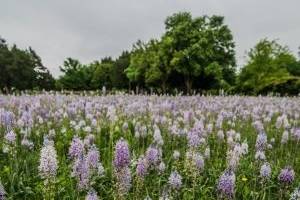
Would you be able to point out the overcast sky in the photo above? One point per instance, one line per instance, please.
(91, 29)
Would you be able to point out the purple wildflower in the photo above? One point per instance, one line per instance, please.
(226, 184)
(10, 136)
(265, 171)
(152, 156)
(76, 148)
(175, 180)
(193, 139)
(123, 177)
(93, 157)
(48, 162)
(198, 161)
(141, 167)
(287, 175)
(261, 141)
(122, 154)
(81, 172)
(7, 118)
(296, 134)
(92, 195)
(2, 192)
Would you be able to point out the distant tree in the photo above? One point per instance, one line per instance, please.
(22, 69)
(119, 79)
(102, 75)
(44, 79)
(138, 65)
(159, 68)
(76, 75)
(270, 65)
(5, 61)
(196, 43)
(21, 72)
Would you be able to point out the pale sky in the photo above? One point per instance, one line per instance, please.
(91, 29)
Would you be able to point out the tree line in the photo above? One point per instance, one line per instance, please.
(193, 54)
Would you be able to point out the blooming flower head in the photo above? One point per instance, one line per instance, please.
(296, 134)
(93, 157)
(48, 162)
(141, 167)
(265, 171)
(226, 184)
(198, 161)
(123, 177)
(260, 155)
(81, 172)
(10, 137)
(7, 119)
(157, 137)
(92, 195)
(193, 139)
(175, 180)
(2, 192)
(77, 147)
(152, 156)
(287, 175)
(122, 154)
(296, 194)
(261, 141)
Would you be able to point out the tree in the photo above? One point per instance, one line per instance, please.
(5, 60)
(159, 58)
(197, 43)
(22, 69)
(102, 75)
(76, 76)
(44, 79)
(269, 66)
(135, 72)
(119, 79)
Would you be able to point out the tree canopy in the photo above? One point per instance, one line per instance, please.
(270, 67)
(22, 69)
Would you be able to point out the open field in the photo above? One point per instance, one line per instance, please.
(149, 147)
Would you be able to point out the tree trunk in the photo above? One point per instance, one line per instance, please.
(188, 85)
(164, 87)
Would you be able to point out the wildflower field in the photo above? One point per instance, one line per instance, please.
(55, 146)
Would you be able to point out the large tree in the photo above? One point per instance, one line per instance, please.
(22, 69)
(135, 72)
(198, 43)
(76, 75)
(269, 68)
(159, 57)
(119, 79)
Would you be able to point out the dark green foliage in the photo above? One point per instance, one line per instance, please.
(22, 69)
(200, 50)
(270, 68)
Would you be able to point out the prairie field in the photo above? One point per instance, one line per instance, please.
(55, 146)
